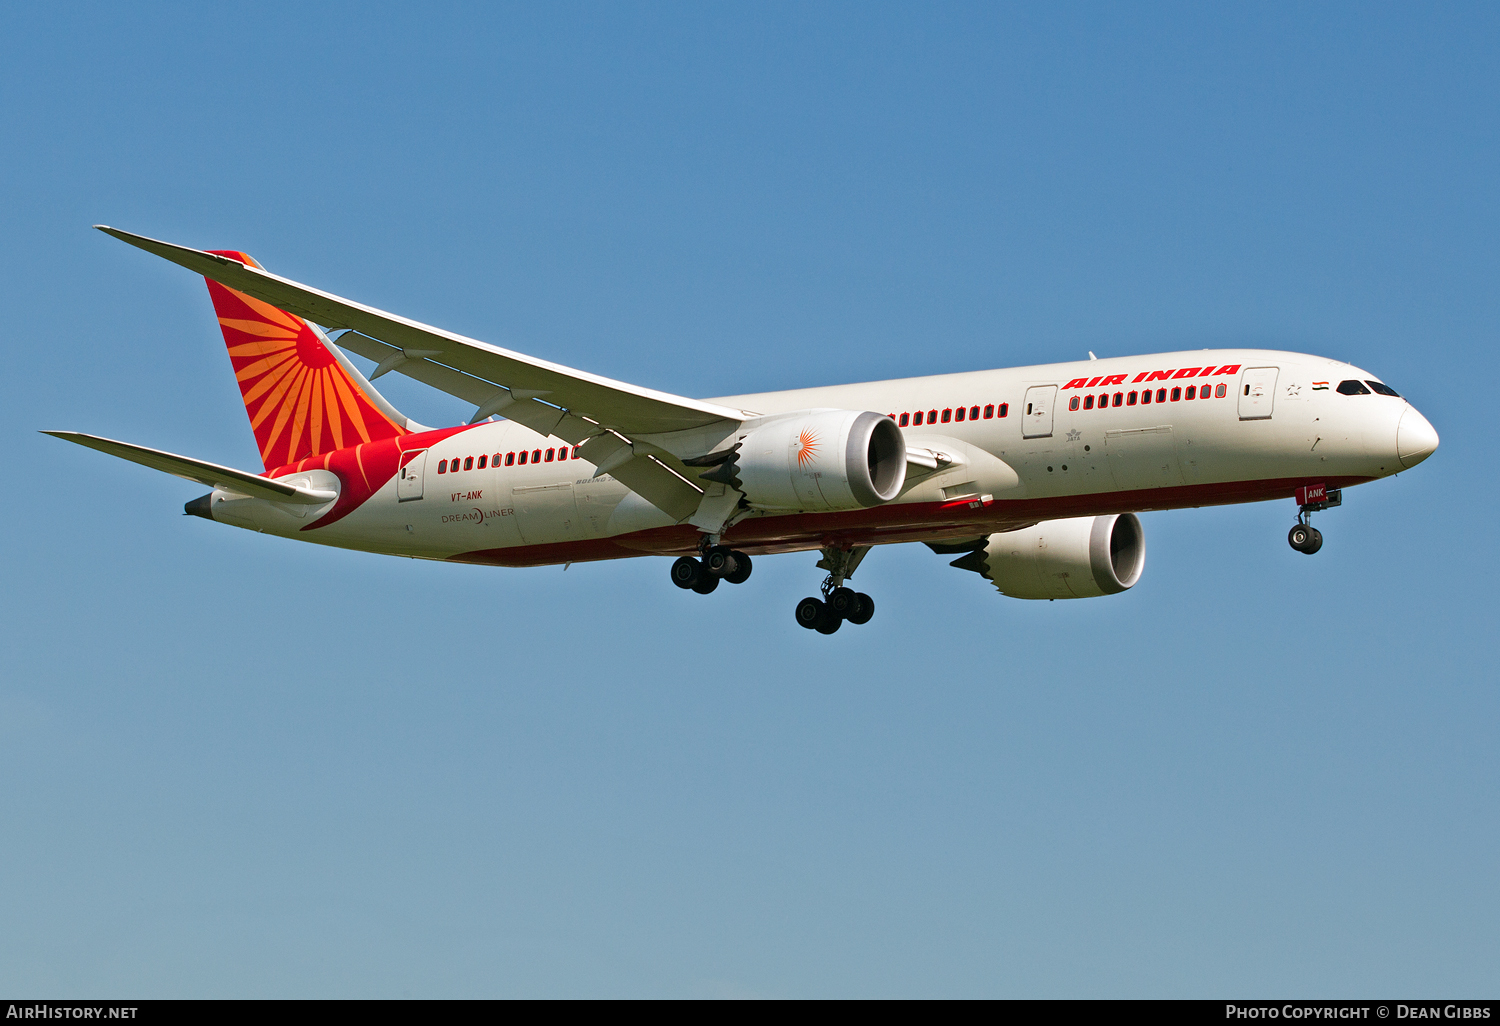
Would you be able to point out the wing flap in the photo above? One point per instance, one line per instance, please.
(655, 482)
(210, 474)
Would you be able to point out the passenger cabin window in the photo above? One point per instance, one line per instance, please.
(1176, 394)
(1088, 402)
(973, 413)
(1004, 409)
(442, 466)
(989, 411)
(905, 419)
(536, 455)
(1383, 389)
(1221, 391)
(510, 459)
(1352, 388)
(523, 458)
(1103, 400)
(1161, 395)
(932, 416)
(550, 453)
(1130, 399)
(1146, 397)
(960, 414)
(1119, 398)
(1073, 403)
(469, 463)
(482, 461)
(1192, 392)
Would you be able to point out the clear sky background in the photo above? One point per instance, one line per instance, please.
(232, 765)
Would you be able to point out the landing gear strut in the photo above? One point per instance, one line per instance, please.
(719, 563)
(838, 603)
(1303, 536)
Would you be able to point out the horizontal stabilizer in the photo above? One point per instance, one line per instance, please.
(210, 474)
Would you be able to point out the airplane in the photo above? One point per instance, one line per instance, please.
(1031, 476)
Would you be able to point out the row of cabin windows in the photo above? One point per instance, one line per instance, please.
(961, 414)
(1144, 398)
(511, 459)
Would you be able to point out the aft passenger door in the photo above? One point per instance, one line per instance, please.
(409, 479)
(1036, 417)
(1257, 393)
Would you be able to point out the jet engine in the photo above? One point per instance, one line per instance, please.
(1083, 557)
(817, 461)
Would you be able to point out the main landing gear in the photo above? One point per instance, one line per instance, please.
(1303, 536)
(838, 603)
(719, 563)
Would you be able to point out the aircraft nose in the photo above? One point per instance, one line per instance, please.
(1415, 438)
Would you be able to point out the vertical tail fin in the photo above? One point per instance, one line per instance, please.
(300, 398)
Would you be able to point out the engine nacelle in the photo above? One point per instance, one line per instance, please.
(1083, 557)
(821, 460)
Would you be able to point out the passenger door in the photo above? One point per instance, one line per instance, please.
(1257, 393)
(409, 479)
(1036, 415)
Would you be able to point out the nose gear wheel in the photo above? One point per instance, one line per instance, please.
(1305, 539)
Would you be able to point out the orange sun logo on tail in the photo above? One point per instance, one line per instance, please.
(300, 401)
(807, 447)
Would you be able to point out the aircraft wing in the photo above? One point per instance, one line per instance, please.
(608, 417)
(210, 474)
(628, 408)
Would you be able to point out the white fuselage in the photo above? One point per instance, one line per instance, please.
(1001, 472)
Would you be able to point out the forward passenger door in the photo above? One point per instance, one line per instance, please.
(1257, 393)
(1036, 415)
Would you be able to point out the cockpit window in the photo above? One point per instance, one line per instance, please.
(1352, 388)
(1383, 389)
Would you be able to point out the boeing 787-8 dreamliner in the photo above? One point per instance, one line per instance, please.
(1031, 476)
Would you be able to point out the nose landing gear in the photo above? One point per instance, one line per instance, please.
(1311, 499)
(838, 603)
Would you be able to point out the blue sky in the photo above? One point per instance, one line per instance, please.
(236, 766)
